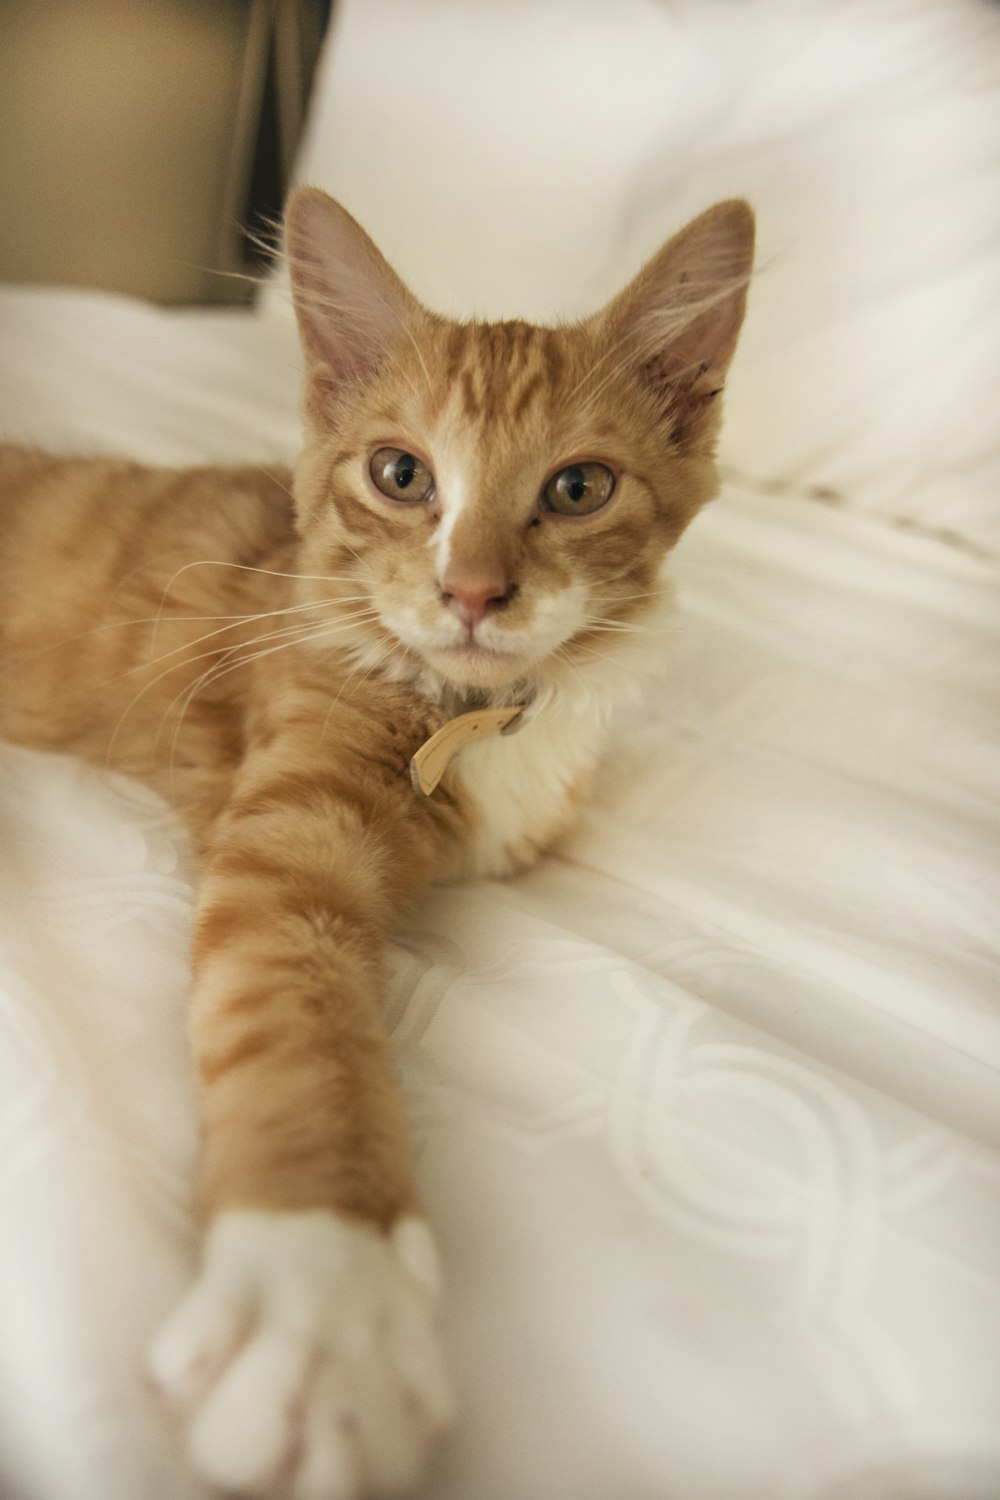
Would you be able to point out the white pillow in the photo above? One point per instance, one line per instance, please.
(524, 158)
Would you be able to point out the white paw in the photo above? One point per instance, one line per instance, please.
(306, 1362)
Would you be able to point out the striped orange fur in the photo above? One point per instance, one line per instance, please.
(269, 650)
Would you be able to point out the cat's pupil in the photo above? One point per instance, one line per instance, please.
(406, 467)
(575, 484)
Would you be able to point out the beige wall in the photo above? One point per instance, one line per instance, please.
(127, 128)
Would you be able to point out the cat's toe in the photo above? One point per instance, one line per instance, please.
(195, 1345)
(306, 1363)
(361, 1438)
(245, 1433)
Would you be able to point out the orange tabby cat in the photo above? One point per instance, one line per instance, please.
(479, 516)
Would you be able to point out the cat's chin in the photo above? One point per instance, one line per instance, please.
(475, 668)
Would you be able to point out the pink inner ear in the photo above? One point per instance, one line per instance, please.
(699, 354)
(351, 306)
(685, 308)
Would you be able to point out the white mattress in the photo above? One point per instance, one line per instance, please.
(707, 1105)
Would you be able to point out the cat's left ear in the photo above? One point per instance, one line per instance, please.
(352, 308)
(681, 316)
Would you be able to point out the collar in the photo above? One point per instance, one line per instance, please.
(429, 763)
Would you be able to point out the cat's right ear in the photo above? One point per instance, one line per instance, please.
(352, 308)
(679, 319)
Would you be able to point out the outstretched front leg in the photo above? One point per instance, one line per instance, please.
(306, 1361)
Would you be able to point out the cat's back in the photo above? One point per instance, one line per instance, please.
(97, 552)
(86, 509)
(74, 531)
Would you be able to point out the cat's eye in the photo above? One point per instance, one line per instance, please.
(578, 490)
(401, 476)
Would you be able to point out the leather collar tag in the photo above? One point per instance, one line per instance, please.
(435, 755)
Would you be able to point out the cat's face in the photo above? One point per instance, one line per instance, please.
(501, 496)
(495, 512)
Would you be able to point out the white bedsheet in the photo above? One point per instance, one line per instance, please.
(706, 1106)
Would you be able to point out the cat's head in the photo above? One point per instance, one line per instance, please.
(499, 496)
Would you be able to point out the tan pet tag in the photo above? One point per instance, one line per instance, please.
(435, 755)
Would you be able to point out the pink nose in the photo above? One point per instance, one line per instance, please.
(473, 596)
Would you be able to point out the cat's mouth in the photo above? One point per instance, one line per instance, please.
(482, 658)
(472, 648)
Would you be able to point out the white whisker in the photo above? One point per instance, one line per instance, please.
(200, 656)
(301, 635)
